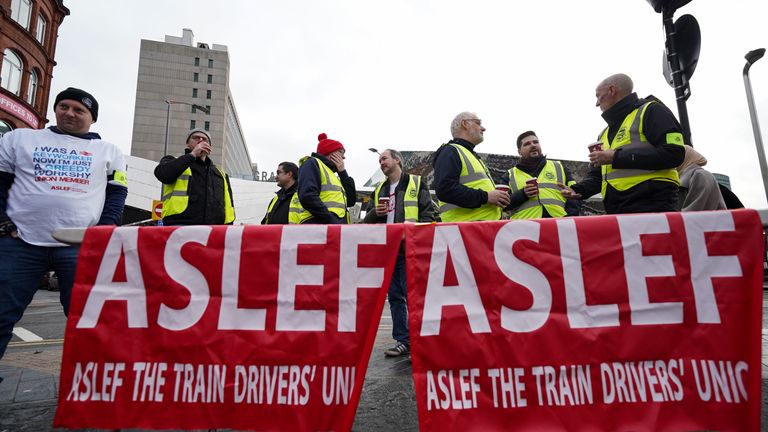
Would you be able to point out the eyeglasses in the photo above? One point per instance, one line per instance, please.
(476, 121)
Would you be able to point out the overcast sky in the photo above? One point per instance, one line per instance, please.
(394, 74)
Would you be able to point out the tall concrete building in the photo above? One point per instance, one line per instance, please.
(179, 80)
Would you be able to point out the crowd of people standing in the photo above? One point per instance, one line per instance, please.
(640, 163)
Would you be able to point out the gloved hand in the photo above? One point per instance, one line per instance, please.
(7, 227)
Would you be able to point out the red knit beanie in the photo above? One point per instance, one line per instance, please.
(327, 146)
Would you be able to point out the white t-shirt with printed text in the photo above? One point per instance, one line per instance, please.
(391, 209)
(60, 181)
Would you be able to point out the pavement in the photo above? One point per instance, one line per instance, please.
(31, 368)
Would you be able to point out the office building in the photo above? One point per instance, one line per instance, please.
(183, 85)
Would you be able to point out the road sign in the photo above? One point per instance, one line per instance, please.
(157, 209)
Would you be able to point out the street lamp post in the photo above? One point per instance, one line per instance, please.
(168, 103)
(752, 57)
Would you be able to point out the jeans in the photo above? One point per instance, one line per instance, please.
(398, 307)
(22, 267)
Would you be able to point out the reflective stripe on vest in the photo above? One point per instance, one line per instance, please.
(630, 136)
(549, 196)
(269, 208)
(176, 196)
(474, 174)
(410, 198)
(332, 195)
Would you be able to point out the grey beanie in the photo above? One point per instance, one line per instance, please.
(202, 131)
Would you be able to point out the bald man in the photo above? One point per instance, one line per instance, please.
(642, 145)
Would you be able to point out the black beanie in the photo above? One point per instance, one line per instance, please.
(81, 96)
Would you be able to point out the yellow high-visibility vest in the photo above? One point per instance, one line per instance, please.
(549, 196)
(474, 174)
(176, 196)
(410, 199)
(630, 135)
(331, 194)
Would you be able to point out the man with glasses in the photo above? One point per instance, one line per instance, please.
(277, 211)
(325, 189)
(463, 184)
(195, 190)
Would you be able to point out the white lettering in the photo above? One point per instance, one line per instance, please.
(448, 239)
(187, 276)
(703, 266)
(293, 274)
(122, 241)
(352, 277)
(638, 267)
(528, 276)
(232, 317)
(580, 315)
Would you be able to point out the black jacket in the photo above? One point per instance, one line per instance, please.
(518, 198)
(426, 206)
(279, 213)
(309, 191)
(206, 189)
(447, 164)
(650, 195)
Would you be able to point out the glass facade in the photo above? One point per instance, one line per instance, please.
(32, 88)
(11, 74)
(40, 32)
(237, 161)
(20, 12)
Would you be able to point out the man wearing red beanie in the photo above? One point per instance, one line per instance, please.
(325, 189)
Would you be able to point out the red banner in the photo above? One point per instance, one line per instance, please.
(637, 322)
(258, 327)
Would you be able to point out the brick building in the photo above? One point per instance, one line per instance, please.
(28, 34)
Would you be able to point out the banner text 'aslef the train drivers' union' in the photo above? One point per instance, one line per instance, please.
(636, 322)
(645, 322)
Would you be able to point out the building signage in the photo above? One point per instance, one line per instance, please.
(19, 111)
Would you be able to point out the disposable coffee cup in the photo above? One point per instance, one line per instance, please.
(384, 201)
(502, 187)
(534, 181)
(598, 146)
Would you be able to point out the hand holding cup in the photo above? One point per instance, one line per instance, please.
(382, 208)
(531, 187)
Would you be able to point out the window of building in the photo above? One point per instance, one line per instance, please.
(196, 77)
(11, 74)
(208, 107)
(32, 87)
(40, 32)
(207, 94)
(192, 124)
(194, 109)
(210, 63)
(210, 79)
(194, 92)
(5, 128)
(20, 11)
(197, 61)
(207, 125)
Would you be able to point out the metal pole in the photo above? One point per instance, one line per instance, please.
(677, 74)
(752, 57)
(167, 121)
